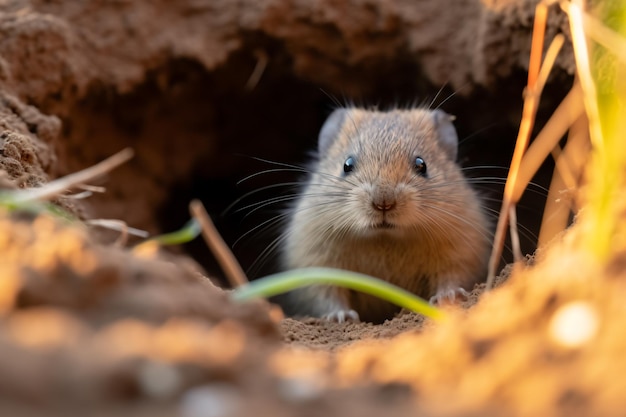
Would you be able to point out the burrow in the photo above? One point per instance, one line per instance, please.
(199, 133)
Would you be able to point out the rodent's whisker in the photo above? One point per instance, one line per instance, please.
(525, 231)
(275, 220)
(485, 234)
(430, 106)
(476, 133)
(279, 240)
(265, 254)
(291, 168)
(261, 226)
(501, 180)
(282, 216)
(464, 169)
(295, 184)
(336, 178)
(282, 199)
(493, 213)
(282, 164)
(446, 99)
(532, 186)
(269, 171)
(491, 199)
(488, 236)
(256, 191)
(536, 188)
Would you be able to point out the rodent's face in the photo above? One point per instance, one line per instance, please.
(388, 173)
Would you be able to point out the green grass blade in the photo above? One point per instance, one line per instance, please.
(608, 74)
(286, 281)
(34, 207)
(187, 233)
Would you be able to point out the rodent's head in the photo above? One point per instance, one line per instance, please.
(389, 172)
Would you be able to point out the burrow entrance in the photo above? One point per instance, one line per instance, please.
(197, 134)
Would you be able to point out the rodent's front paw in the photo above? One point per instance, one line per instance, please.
(447, 295)
(341, 316)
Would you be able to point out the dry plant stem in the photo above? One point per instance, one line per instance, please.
(119, 226)
(56, 187)
(563, 117)
(123, 237)
(555, 213)
(606, 37)
(259, 69)
(535, 93)
(567, 173)
(570, 162)
(563, 169)
(576, 153)
(517, 250)
(581, 55)
(79, 196)
(526, 125)
(548, 62)
(92, 188)
(233, 271)
(537, 41)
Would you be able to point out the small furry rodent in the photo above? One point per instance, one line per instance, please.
(385, 198)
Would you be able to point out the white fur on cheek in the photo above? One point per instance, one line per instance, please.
(361, 208)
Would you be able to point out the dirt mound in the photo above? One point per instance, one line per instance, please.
(87, 327)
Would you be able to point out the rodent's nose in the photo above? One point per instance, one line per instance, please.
(384, 205)
(383, 198)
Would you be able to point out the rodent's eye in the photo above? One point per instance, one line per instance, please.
(348, 166)
(420, 166)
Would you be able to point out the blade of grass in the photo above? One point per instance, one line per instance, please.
(286, 281)
(187, 233)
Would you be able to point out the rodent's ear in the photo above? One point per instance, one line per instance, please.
(330, 130)
(446, 133)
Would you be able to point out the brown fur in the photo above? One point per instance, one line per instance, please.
(439, 239)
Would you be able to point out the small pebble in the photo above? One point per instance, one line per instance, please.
(216, 400)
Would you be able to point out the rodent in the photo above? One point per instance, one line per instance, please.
(385, 197)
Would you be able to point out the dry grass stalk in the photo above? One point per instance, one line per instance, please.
(568, 111)
(606, 179)
(523, 137)
(92, 188)
(229, 264)
(566, 179)
(60, 185)
(119, 226)
(581, 54)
